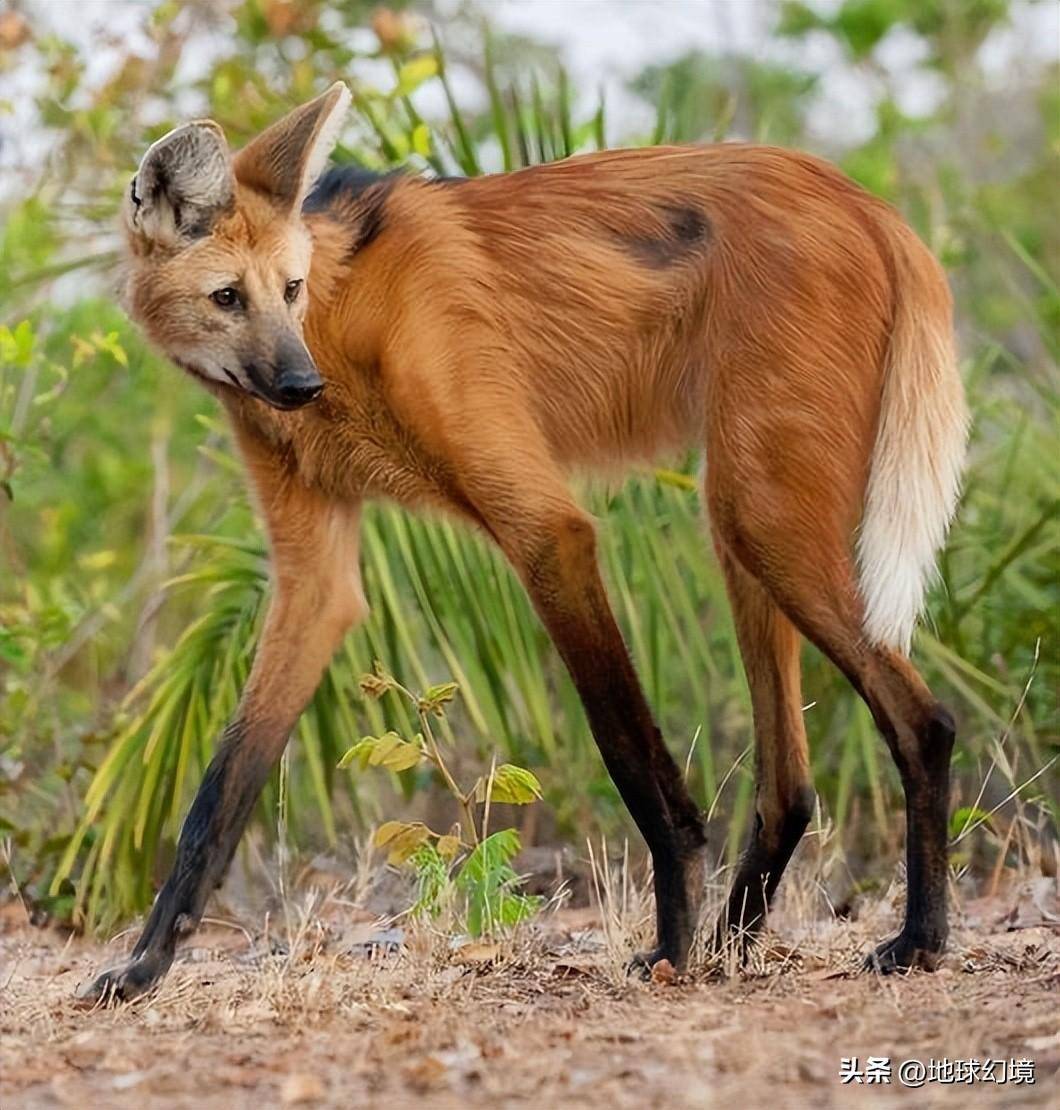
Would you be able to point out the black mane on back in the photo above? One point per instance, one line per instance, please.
(358, 197)
(345, 182)
(350, 181)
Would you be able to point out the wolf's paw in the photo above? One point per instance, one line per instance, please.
(643, 964)
(121, 984)
(903, 953)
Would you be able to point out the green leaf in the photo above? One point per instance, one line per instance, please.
(797, 19)
(401, 839)
(414, 72)
(389, 751)
(512, 785)
(965, 817)
(359, 752)
(434, 697)
(676, 479)
(387, 831)
(513, 909)
(493, 853)
(421, 140)
(432, 879)
(18, 344)
(382, 748)
(489, 882)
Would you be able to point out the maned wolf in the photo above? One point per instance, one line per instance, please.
(464, 345)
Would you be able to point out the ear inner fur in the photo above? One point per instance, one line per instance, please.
(285, 159)
(183, 185)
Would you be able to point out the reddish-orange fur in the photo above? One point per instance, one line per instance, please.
(512, 306)
(481, 341)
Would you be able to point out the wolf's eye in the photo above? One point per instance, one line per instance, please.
(291, 290)
(225, 298)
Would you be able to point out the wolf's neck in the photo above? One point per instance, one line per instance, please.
(347, 312)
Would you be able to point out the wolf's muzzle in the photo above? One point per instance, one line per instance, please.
(293, 380)
(295, 389)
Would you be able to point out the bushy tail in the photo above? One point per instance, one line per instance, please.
(915, 476)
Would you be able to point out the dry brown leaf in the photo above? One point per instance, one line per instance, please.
(663, 973)
(477, 952)
(573, 967)
(824, 973)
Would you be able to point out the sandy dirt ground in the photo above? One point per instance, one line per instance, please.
(333, 1009)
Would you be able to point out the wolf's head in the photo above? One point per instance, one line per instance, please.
(219, 254)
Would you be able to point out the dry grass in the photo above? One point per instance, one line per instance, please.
(313, 1007)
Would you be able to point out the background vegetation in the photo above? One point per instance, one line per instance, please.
(132, 572)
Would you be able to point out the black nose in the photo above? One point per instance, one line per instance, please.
(295, 388)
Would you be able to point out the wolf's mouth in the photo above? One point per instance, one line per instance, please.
(283, 398)
(195, 372)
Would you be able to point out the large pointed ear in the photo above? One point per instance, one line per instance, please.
(286, 158)
(183, 184)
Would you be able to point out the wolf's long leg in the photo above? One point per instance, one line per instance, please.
(317, 597)
(552, 545)
(784, 798)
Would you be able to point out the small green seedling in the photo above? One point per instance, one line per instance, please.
(466, 865)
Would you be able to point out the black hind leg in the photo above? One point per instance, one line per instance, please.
(784, 798)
